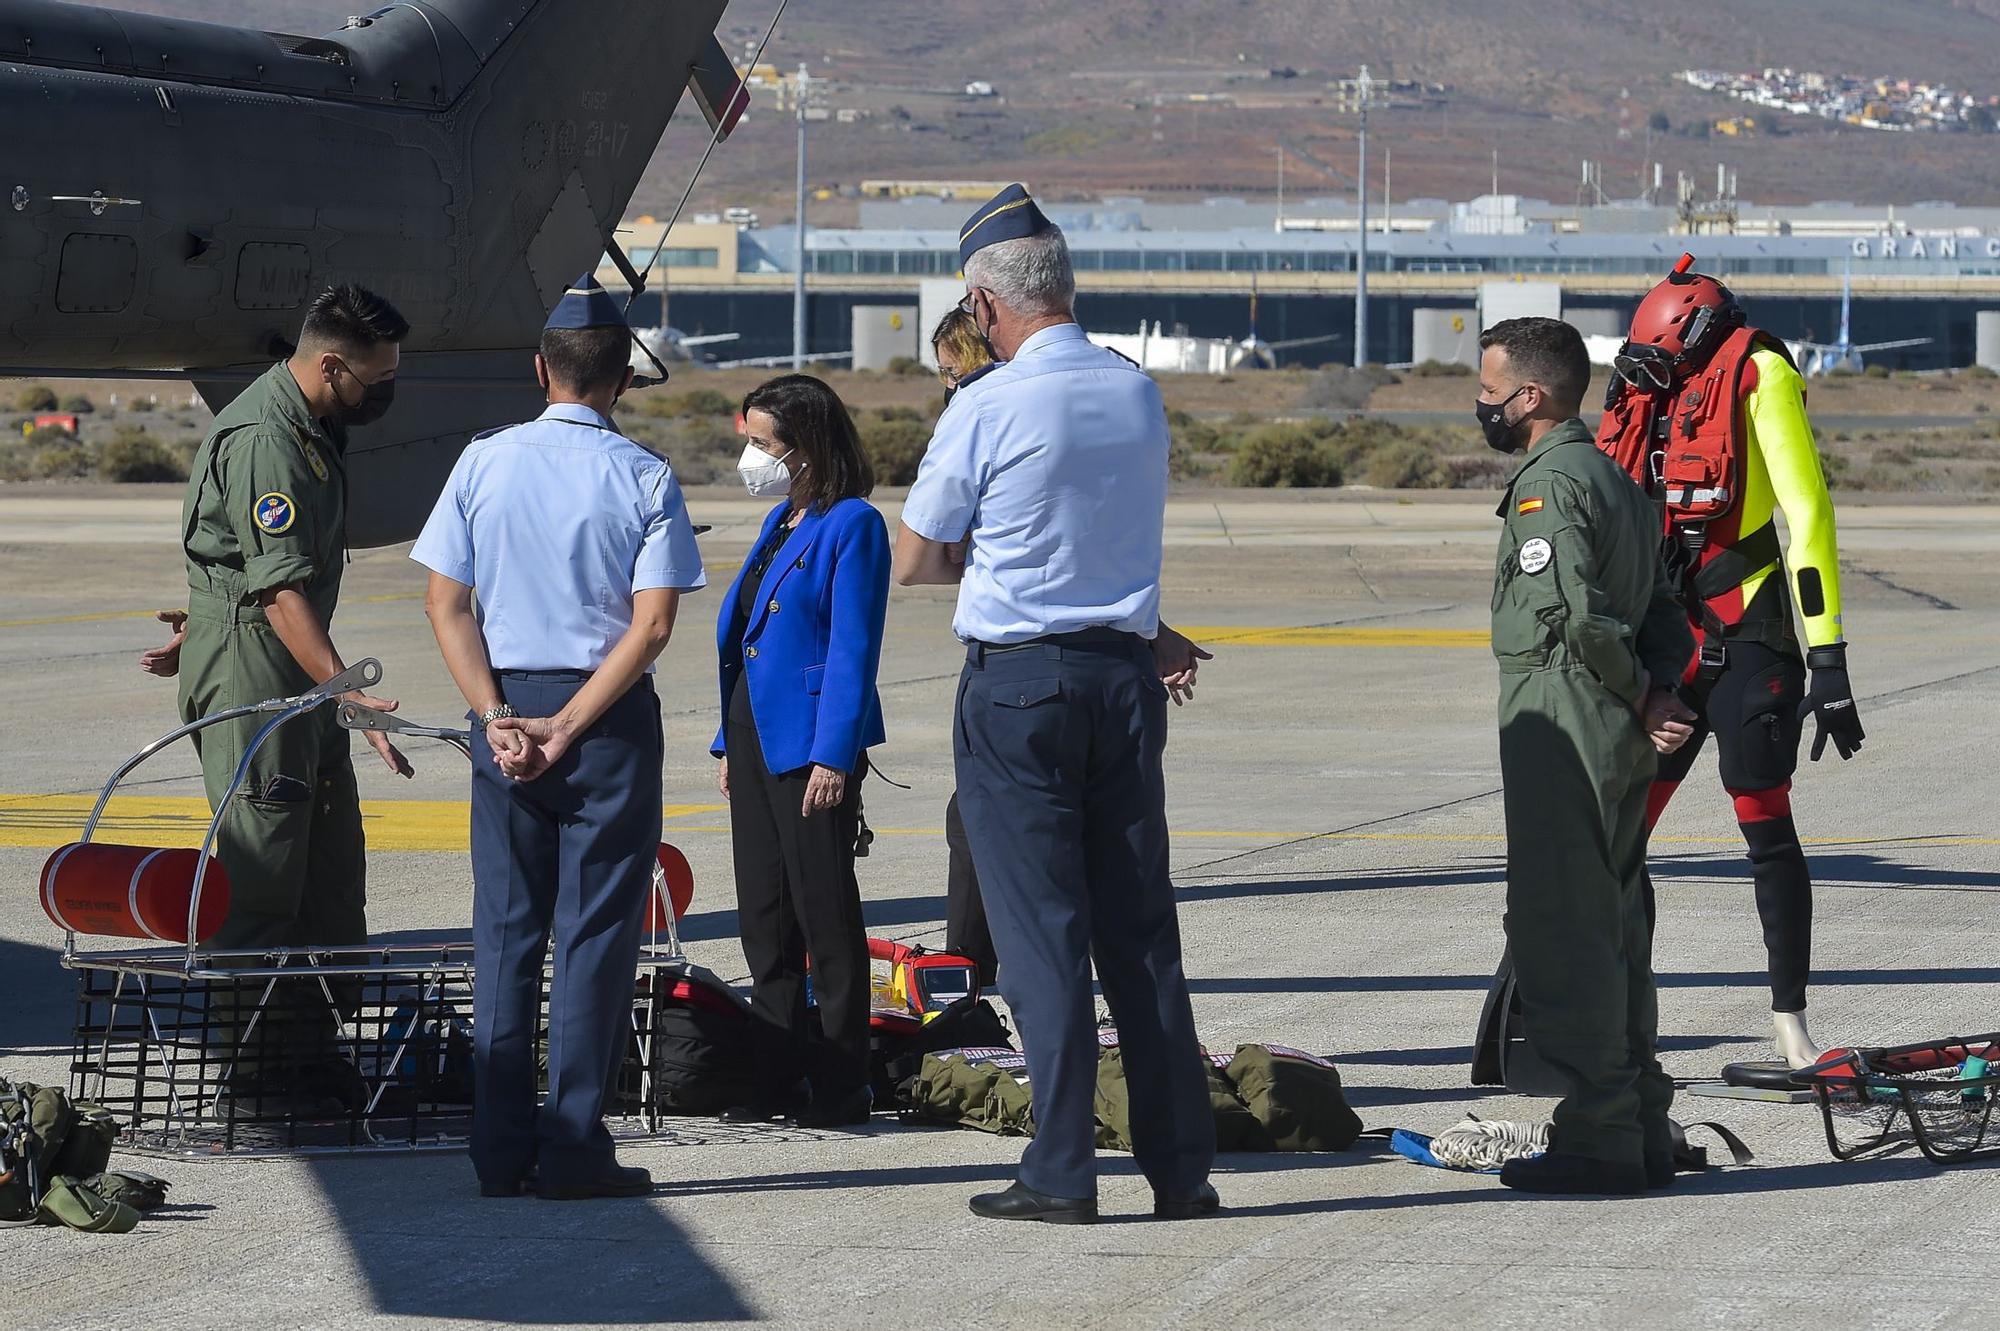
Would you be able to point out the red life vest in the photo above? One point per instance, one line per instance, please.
(1685, 447)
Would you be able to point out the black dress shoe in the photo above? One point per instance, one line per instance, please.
(617, 1181)
(757, 1111)
(516, 1187)
(1022, 1202)
(769, 1105)
(1574, 1174)
(1660, 1173)
(1202, 1201)
(843, 1111)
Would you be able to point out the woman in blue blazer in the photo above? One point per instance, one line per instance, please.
(800, 638)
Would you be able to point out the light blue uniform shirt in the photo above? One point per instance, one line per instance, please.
(556, 523)
(1056, 463)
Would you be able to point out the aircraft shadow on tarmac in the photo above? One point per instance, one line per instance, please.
(429, 1246)
(38, 998)
(1417, 984)
(1836, 869)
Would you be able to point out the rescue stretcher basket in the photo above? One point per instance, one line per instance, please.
(1938, 1095)
(203, 1052)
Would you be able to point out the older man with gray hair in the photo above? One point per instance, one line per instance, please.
(1052, 467)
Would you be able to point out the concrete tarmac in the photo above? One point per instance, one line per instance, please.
(1338, 849)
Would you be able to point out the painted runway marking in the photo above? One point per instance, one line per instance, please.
(109, 616)
(48, 821)
(1236, 635)
(181, 820)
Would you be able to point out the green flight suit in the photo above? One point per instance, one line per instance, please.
(1581, 606)
(267, 507)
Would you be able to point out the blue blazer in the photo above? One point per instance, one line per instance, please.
(814, 639)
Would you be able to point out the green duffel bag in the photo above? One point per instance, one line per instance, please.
(1295, 1096)
(44, 1137)
(973, 1091)
(1236, 1129)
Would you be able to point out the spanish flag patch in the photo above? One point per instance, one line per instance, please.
(1528, 506)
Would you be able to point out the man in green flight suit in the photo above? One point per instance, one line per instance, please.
(1590, 642)
(264, 532)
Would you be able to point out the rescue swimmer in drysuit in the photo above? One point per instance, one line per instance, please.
(1709, 415)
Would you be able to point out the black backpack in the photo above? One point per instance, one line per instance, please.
(1501, 1054)
(704, 1044)
(965, 1023)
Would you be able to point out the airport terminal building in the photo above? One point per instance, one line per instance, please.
(1920, 271)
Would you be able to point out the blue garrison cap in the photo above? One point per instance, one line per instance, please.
(1009, 215)
(586, 305)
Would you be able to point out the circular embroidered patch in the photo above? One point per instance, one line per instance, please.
(1535, 555)
(275, 512)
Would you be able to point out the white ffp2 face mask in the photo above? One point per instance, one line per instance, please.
(763, 475)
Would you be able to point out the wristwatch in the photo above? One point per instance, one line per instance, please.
(492, 714)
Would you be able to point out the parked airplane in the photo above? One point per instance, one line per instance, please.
(178, 191)
(671, 346)
(1254, 353)
(1817, 358)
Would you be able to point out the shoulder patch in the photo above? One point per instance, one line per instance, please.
(1529, 506)
(275, 512)
(314, 460)
(1535, 554)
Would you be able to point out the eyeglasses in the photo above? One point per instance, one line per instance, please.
(971, 298)
(950, 377)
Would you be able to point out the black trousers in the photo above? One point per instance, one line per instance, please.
(797, 897)
(1058, 749)
(1753, 712)
(966, 932)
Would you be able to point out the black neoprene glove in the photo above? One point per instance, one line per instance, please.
(1830, 700)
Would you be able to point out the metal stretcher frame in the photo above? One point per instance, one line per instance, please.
(163, 993)
(1888, 1085)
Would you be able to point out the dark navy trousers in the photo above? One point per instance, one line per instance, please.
(569, 853)
(1058, 748)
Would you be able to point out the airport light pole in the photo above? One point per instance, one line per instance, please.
(799, 229)
(1362, 87)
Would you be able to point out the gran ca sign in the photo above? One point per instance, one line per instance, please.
(1925, 247)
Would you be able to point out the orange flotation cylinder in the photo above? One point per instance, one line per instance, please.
(132, 892)
(680, 888)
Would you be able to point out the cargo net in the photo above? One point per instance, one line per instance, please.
(1939, 1097)
(331, 1051)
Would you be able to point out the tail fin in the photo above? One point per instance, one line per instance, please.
(1846, 304)
(558, 125)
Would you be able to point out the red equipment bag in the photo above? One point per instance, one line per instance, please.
(913, 979)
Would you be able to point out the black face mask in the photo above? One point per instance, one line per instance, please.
(376, 399)
(1492, 416)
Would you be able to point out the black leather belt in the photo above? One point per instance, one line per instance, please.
(1082, 640)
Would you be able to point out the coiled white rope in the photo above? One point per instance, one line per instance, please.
(1485, 1143)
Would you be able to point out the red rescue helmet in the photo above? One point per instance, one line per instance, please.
(1684, 319)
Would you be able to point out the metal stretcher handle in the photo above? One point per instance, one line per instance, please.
(353, 716)
(360, 675)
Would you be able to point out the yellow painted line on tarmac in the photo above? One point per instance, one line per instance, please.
(107, 616)
(1238, 635)
(99, 617)
(48, 821)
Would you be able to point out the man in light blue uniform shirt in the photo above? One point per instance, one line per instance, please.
(578, 543)
(1053, 466)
